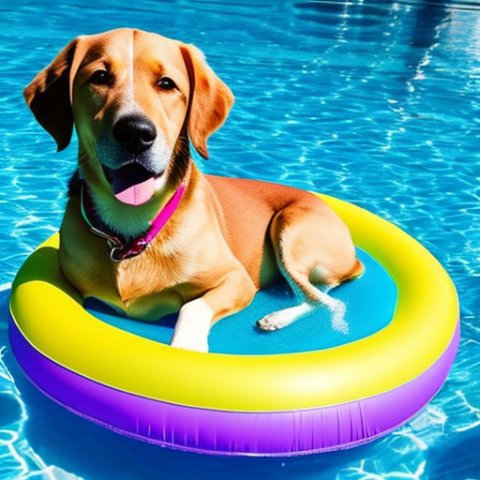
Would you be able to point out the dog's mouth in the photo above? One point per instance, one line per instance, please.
(132, 184)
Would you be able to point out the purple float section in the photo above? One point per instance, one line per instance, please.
(233, 433)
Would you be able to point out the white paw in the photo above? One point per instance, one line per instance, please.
(193, 326)
(271, 322)
(283, 318)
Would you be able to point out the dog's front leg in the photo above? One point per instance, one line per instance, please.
(197, 316)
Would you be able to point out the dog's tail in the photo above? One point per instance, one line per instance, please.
(316, 296)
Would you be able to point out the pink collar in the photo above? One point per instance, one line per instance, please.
(122, 250)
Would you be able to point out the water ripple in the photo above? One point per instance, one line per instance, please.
(17, 459)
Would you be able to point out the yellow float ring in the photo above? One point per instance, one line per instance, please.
(220, 392)
(49, 313)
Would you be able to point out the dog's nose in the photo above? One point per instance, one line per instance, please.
(135, 133)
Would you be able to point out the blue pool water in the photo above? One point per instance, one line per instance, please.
(376, 102)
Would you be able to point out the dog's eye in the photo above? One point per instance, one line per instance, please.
(166, 83)
(100, 77)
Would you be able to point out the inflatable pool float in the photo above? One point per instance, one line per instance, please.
(305, 389)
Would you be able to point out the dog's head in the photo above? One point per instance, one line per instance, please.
(133, 97)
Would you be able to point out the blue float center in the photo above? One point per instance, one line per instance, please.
(370, 302)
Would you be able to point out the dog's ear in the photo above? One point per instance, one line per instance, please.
(210, 99)
(48, 96)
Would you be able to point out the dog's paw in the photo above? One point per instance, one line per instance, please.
(193, 325)
(271, 322)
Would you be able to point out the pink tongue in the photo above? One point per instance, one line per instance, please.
(137, 194)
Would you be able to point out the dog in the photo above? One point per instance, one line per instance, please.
(144, 230)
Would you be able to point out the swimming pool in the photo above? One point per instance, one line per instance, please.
(374, 102)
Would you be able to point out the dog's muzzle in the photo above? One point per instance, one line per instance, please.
(133, 180)
(135, 133)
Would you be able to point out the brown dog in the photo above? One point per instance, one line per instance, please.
(144, 230)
